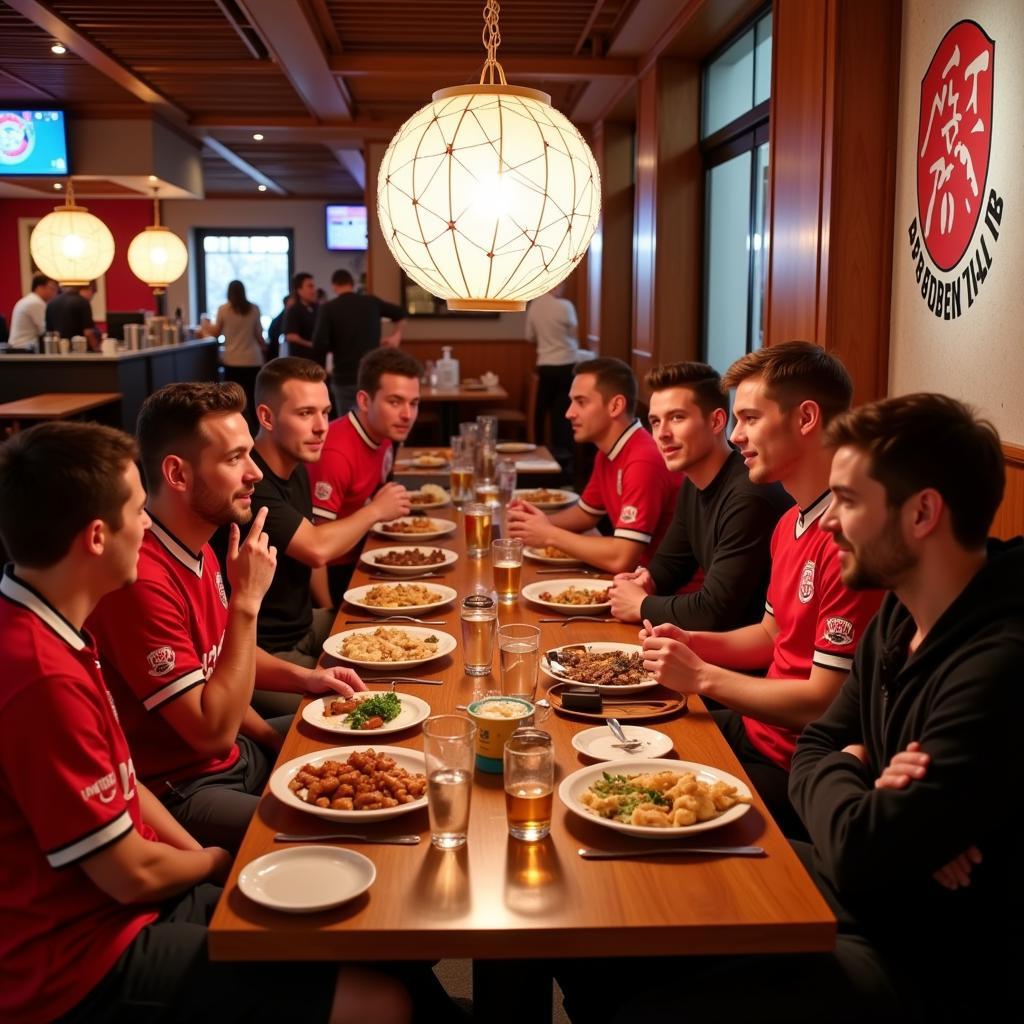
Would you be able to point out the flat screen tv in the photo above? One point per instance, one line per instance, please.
(33, 142)
(346, 228)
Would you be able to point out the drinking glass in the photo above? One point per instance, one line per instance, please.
(486, 492)
(479, 521)
(448, 747)
(507, 559)
(529, 783)
(519, 648)
(462, 478)
(487, 430)
(479, 616)
(505, 478)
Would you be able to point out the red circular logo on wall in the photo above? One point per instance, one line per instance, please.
(954, 140)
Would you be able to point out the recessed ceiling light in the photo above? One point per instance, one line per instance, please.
(57, 185)
(257, 136)
(58, 48)
(262, 188)
(153, 177)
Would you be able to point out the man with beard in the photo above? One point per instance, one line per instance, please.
(181, 659)
(786, 395)
(723, 522)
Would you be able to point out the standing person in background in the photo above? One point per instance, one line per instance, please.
(301, 316)
(244, 348)
(551, 323)
(276, 328)
(70, 313)
(28, 319)
(348, 326)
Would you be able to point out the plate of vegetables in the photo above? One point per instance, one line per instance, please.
(374, 712)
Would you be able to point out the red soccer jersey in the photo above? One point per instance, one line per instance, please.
(820, 621)
(635, 488)
(351, 468)
(67, 791)
(157, 639)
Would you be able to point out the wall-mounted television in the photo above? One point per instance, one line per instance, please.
(346, 228)
(33, 142)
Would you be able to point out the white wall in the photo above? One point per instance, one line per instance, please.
(979, 356)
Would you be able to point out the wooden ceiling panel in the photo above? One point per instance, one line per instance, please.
(212, 92)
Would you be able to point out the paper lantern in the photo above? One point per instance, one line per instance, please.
(157, 256)
(71, 245)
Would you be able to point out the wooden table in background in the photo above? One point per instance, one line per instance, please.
(54, 406)
(499, 899)
(449, 399)
(405, 467)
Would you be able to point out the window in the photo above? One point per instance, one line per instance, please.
(262, 260)
(734, 142)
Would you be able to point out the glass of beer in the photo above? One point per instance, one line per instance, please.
(479, 521)
(448, 748)
(507, 559)
(519, 647)
(529, 783)
(462, 478)
(486, 492)
(479, 617)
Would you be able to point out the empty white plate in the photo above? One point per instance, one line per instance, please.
(597, 743)
(304, 879)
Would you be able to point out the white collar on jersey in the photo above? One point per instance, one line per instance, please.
(810, 515)
(189, 559)
(361, 431)
(623, 439)
(21, 593)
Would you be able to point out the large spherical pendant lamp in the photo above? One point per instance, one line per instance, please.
(488, 196)
(157, 255)
(71, 245)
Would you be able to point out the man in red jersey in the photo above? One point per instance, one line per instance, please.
(349, 483)
(180, 658)
(630, 483)
(786, 395)
(102, 917)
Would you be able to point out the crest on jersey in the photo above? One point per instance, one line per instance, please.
(838, 632)
(220, 590)
(805, 591)
(322, 491)
(161, 661)
(628, 514)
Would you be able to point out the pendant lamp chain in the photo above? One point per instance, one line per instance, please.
(492, 40)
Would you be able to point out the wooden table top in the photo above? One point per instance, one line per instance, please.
(499, 898)
(463, 394)
(56, 405)
(523, 460)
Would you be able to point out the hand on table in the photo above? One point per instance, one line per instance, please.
(668, 657)
(628, 591)
(529, 524)
(333, 680)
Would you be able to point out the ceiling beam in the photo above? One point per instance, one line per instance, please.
(21, 83)
(243, 165)
(446, 67)
(296, 129)
(353, 162)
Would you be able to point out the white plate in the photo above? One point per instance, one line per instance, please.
(597, 743)
(414, 710)
(428, 461)
(514, 447)
(598, 647)
(439, 503)
(369, 558)
(446, 644)
(411, 760)
(536, 555)
(568, 497)
(304, 879)
(440, 528)
(574, 786)
(445, 595)
(532, 592)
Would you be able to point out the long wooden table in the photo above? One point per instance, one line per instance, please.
(54, 406)
(539, 462)
(449, 400)
(499, 899)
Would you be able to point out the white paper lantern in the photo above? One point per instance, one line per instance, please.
(71, 245)
(488, 196)
(157, 256)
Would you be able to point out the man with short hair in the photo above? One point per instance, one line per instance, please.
(300, 316)
(786, 395)
(70, 314)
(630, 482)
(180, 657)
(28, 318)
(723, 522)
(350, 481)
(348, 326)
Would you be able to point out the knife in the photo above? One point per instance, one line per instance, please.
(706, 851)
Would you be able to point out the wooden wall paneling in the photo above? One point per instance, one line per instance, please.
(644, 234)
(1009, 521)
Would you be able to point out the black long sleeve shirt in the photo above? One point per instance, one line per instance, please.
(349, 326)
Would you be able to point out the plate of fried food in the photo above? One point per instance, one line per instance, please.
(406, 561)
(353, 783)
(570, 597)
(389, 647)
(551, 555)
(377, 712)
(514, 447)
(546, 498)
(609, 667)
(430, 460)
(415, 528)
(406, 598)
(429, 496)
(657, 798)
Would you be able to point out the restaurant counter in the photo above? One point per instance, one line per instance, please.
(135, 374)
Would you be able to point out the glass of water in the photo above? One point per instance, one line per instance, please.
(449, 743)
(519, 647)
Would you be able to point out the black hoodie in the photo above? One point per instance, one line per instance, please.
(959, 695)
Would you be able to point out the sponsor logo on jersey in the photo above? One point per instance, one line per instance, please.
(838, 632)
(103, 787)
(805, 591)
(210, 658)
(161, 661)
(628, 514)
(221, 591)
(323, 490)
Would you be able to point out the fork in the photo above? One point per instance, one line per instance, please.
(395, 618)
(578, 618)
(287, 837)
(418, 576)
(578, 572)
